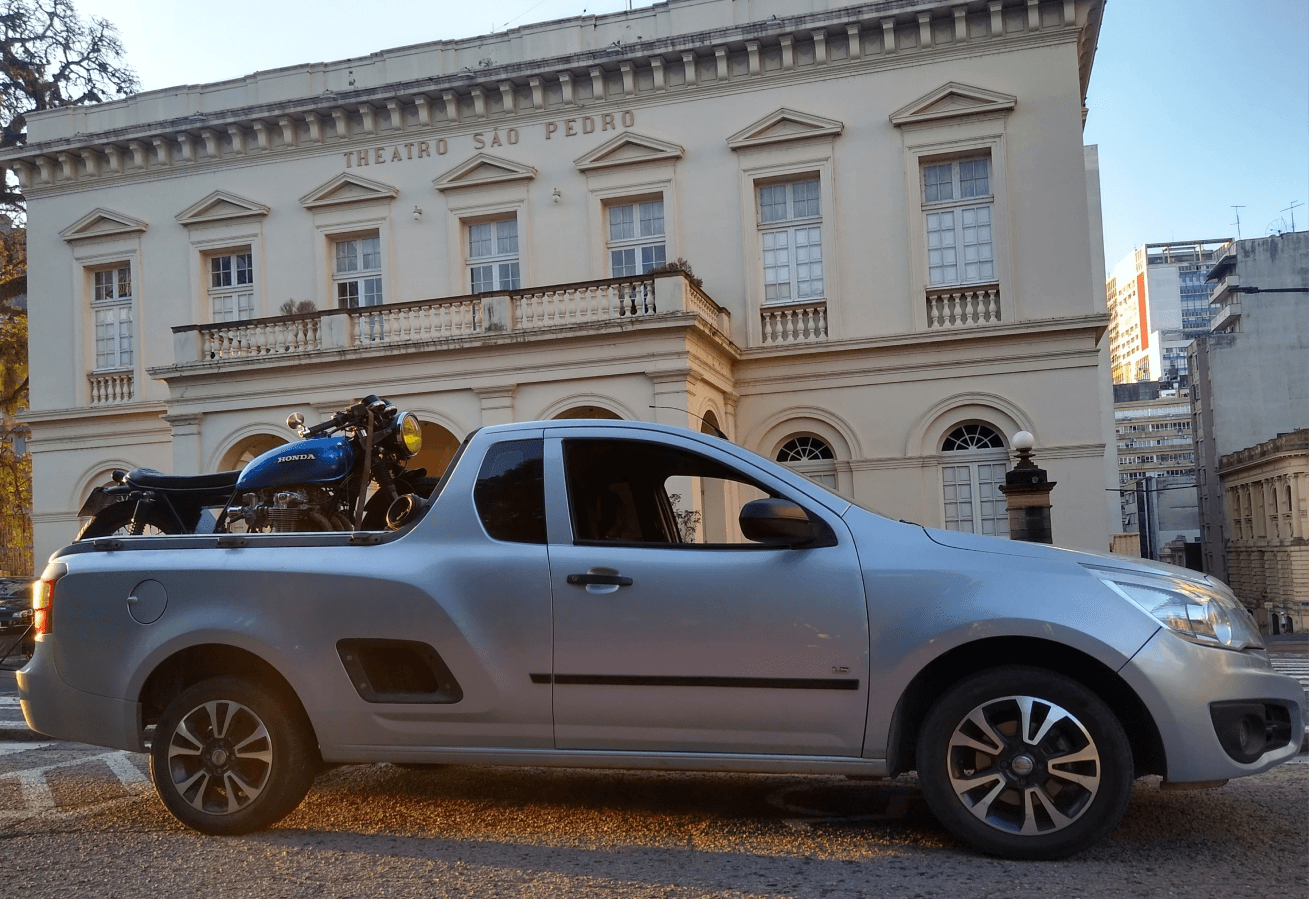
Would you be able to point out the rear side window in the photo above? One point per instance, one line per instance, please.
(510, 491)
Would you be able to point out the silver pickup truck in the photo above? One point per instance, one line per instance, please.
(620, 594)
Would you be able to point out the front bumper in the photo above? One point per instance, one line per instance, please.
(55, 709)
(1180, 682)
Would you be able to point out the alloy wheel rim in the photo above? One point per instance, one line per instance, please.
(1023, 765)
(220, 756)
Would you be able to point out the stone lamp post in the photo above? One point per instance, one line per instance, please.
(1027, 495)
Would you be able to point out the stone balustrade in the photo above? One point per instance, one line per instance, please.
(426, 322)
(963, 307)
(793, 323)
(110, 388)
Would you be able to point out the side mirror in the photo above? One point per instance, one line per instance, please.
(778, 522)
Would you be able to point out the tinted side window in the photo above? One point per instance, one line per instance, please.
(631, 491)
(510, 491)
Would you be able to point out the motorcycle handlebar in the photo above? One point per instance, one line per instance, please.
(334, 421)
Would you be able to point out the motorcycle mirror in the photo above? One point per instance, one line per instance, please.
(295, 421)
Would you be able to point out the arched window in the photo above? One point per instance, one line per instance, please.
(973, 468)
(810, 456)
(588, 412)
(972, 437)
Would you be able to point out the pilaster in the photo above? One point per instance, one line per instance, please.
(497, 403)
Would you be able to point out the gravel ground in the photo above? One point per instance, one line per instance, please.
(383, 831)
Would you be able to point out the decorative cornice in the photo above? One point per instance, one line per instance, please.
(482, 170)
(783, 126)
(102, 223)
(220, 206)
(953, 100)
(628, 148)
(348, 188)
(531, 89)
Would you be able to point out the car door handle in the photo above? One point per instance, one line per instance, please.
(604, 580)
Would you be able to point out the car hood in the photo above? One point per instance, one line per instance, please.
(1005, 547)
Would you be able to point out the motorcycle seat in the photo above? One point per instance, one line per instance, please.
(148, 477)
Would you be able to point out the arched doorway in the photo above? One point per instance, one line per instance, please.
(973, 466)
(439, 446)
(247, 450)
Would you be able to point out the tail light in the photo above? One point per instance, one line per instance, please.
(43, 598)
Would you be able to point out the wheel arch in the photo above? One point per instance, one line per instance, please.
(970, 658)
(193, 664)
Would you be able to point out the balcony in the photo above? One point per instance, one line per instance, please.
(110, 388)
(963, 307)
(793, 323)
(428, 324)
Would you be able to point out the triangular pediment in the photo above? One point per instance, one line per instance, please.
(782, 126)
(628, 149)
(348, 188)
(953, 100)
(102, 223)
(220, 206)
(482, 170)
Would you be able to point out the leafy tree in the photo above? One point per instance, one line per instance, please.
(49, 58)
(15, 466)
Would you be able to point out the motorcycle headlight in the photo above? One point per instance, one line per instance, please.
(411, 433)
(1202, 614)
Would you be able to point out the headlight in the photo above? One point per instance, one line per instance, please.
(1206, 615)
(411, 433)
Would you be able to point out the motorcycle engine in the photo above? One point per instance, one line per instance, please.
(296, 509)
(288, 511)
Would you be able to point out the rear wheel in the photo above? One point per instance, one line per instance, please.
(129, 518)
(1025, 763)
(231, 756)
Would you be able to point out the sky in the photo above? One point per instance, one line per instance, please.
(1197, 106)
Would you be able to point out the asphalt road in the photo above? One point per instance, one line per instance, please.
(78, 821)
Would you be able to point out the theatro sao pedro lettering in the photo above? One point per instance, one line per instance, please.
(485, 140)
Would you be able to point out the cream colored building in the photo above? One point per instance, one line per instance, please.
(1266, 493)
(889, 205)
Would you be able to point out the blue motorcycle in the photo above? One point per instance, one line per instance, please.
(315, 484)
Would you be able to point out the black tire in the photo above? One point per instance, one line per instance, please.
(128, 518)
(1047, 794)
(231, 756)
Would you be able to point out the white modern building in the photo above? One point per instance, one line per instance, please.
(892, 221)
(1158, 303)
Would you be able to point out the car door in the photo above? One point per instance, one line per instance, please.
(674, 633)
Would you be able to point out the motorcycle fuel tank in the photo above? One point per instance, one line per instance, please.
(322, 460)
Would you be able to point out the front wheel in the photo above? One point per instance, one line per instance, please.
(128, 518)
(1025, 763)
(231, 756)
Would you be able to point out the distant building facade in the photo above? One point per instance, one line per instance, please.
(1158, 302)
(892, 221)
(1250, 376)
(1266, 492)
(1152, 427)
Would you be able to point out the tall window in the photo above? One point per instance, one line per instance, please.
(957, 207)
(358, 272)
(971, 474)
(231, 287)
(791, 238)
(111, 304)
(493, 256)
(636, 238)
